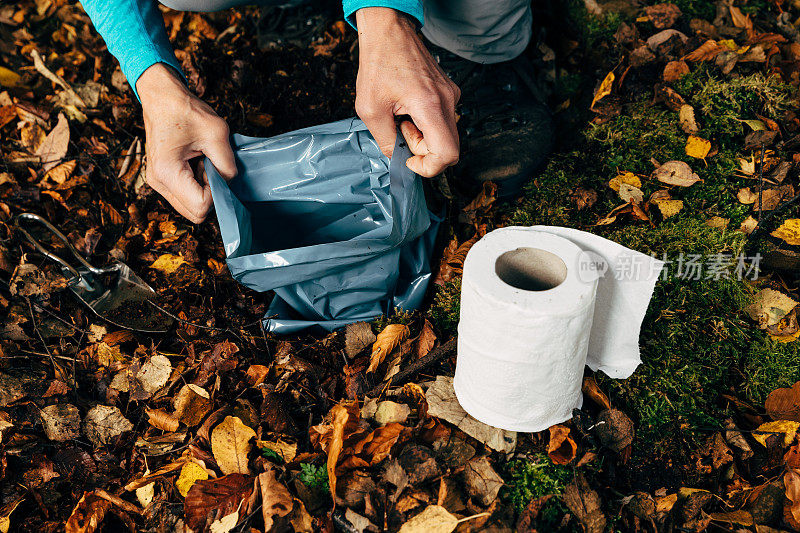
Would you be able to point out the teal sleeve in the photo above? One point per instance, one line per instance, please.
(412, 8)
(134, 33)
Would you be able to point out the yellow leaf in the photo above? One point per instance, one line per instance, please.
(749, 225)
(434, 519)
(604, 90)
(787, 427)
(8, 78)
(697, 147)
(190, 473)
(755, 125)
(669, 208)
(747, 166)
(146, 493)
(789, 231)
(786, 338)
(388, 339)
(685, 492)
(5, 518)
(230, 444)
(284, 449)
(746, 196)
(625, 177)
(168, 263)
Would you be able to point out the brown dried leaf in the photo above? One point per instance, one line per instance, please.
(162, 420)
(707, 51)
(230, 444)
(276, 500)
(784, 403)
(675, 70)
(663, 15)
(387, 340)
(212, 499)
(88, 514)
(676, 173)
(55, 145)
(592, 390)
(561, 448)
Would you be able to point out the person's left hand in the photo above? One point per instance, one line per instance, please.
(398, 76)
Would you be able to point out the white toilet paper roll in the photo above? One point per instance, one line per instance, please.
(534, 302)
(524, 330)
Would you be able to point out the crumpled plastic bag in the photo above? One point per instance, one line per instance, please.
(323, 218)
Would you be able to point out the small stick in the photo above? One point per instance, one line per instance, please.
(434, 357)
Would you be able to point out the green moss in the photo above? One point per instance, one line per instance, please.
(529, 479)
(447, 306)
(398, 317)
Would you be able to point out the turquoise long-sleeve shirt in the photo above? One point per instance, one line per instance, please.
(134, 30)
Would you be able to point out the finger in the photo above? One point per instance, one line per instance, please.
(218, 150)
(380, 123)
(414, 138)
(438, 148)
(180, 188)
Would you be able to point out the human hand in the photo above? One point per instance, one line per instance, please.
(398, 76)
(178, 128)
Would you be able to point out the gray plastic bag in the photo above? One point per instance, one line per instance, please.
(323, 218)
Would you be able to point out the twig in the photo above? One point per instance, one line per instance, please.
(760, 183)
(42, 69)
(434, 357)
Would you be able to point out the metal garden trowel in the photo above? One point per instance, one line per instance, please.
(114, 293)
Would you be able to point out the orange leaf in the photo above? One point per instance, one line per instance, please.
(604, 89)
(388, 339)
(592, 390)
(87, 516)
(453, 257)
(340, 417)
(426, 340)
(561, 449)
(707, 51)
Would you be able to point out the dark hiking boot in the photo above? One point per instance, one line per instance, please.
(506, 130)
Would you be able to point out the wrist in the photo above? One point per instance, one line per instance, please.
(160, 83)
(378, 20)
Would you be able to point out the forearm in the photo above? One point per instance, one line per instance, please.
(134, 33)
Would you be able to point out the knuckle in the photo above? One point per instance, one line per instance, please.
(365, 108)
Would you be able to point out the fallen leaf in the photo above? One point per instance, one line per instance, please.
(585, 504)
(669, 208)
(664, 504)
(281, 446)
(482, 481)
(708, 50)
(442, 403)
(604, 89)
(663, 15)
(54, 147)
(789, 231)
(591, 389)
(217, 498)
(61, 422)
(675, 70)
(155, 373)
(614, 429)
(561, 448)
(387, 340)
(103, 423)
(191, 472)
(225, 524)
(786, 427)
(9, 78)
(584, 198)
(631, 194)
(358, 336)
(168, 263)
(697, 147)
(769, 307)
(791, 481)
(749, 225)
(276, 500)
(627, 178)
(740, 20)
(742, 518)
(772, 198)
(784, 403)
(755, 125)
(676, 173)
(340, 415)
(88, 514)
(192, 404)
(717, 222)
(332, 39)
(687, 120)
(391, 412)
(230, 444)
(433, 519)
(746, 196)
(426, 340)
(161, 419)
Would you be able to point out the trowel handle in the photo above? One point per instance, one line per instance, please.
(30, 217)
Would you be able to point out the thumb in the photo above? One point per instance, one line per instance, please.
(220, 153)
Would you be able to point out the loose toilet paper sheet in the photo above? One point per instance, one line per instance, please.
(522, 348)
(624, 289)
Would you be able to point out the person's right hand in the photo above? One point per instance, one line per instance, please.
(178, 128)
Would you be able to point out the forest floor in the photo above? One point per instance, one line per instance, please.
(678, 135)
